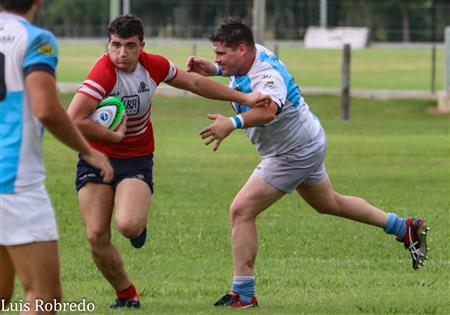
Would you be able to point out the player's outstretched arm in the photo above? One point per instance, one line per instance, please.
(205, 87)
(80, 109)
(41, 90)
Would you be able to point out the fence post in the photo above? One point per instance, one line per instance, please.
(444, 97)
(194, 49)
(447, 61)
(276, 51)
(433, 69)
(345, 98)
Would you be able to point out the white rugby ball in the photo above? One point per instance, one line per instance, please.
(109, 113)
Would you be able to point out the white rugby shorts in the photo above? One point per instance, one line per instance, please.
(304, 164)
(27, 217)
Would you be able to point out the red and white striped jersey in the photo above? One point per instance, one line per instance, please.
(135, 90)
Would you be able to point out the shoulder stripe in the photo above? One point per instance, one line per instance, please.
(172, 73)
(90, 92)
(96, 85)
(90, 87)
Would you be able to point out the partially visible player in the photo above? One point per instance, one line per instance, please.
(131, 74)
(28, 100)
(292, 145)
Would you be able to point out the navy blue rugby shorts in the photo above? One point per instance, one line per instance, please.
(140, 167)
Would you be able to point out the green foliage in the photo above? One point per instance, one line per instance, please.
(73, 18)
(388, 20)
(391, 153)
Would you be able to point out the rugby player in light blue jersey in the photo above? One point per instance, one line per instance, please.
(29, 101)
(291, 143)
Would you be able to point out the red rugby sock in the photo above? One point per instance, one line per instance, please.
(127, 294)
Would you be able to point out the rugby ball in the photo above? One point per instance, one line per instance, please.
(109, 112)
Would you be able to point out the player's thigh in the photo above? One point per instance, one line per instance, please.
(132, 201)
(255, 196)
(96, 206)
(37, 266)
(7, 275)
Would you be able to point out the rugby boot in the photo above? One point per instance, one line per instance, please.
(232, 300)
(415, 241)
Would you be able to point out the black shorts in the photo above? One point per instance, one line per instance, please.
(140, 167)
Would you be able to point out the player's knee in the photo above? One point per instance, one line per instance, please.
(129, 228)
(98, 239)
(239, 212)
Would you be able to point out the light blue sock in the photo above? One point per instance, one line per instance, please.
(245, 287)
(395, 225)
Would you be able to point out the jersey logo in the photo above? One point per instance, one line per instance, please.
(269, 84)
(46, 49)
(131, 104)
(143, 87)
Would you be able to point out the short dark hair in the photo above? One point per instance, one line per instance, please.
(126, 26)
(18, 6)
(232, 32)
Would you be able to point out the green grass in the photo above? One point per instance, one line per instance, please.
(373, 68)
(392, 153)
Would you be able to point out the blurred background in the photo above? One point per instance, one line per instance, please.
(403, 41)
(387, 20)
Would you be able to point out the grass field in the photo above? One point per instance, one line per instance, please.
(373, 68)
(392, 153)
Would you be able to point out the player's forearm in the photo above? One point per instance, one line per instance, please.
(257, 117)
(214, 90)
(94, 132)
(79, 112)
(59, 124)
(44, 103)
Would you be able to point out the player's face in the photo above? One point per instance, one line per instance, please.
(231, 60)
(124, 52)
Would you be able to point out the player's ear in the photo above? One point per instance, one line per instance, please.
(242, 48)
(142, 44)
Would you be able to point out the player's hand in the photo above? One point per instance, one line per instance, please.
(100, 161)
(218, 130)
(256, 99)
(119, 133)
(201, 66)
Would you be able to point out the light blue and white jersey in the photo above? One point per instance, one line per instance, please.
(294, 125)
(24, 48)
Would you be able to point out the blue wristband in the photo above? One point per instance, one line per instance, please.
(238, 121)
(219, 69)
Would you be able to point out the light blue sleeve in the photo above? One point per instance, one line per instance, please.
(42, 48)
